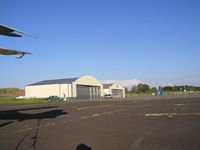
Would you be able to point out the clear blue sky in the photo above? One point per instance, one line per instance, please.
(156, 41)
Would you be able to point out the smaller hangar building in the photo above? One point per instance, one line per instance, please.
(85, 87)
(115, 89)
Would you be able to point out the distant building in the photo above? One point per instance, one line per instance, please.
(115, 89)
(85, 87)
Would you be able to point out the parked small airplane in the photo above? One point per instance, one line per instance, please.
(7, 31)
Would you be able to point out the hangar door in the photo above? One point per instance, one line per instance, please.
(117, 92)
(85, 92)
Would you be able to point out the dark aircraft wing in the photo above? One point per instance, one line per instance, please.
(7, 31)
(4, 51)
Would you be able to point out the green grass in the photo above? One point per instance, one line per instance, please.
(129, 94)
(32, 100)
(137, 94)
(9, 90)
(179, 92)
(2, 97)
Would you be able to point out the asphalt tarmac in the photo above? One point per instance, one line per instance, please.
(146, 123)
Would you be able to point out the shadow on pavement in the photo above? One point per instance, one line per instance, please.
(17, 115)
(83, 147)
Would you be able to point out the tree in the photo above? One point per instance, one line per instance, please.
(142, 88)
(133, 89)
(167, 88)
(153, 90)
(126, 89)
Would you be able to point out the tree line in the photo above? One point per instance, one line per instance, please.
(181, 88)
(145, 88)
(141, 88)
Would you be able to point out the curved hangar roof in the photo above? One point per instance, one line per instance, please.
(66, 80)
(56, 81)
(113, 85)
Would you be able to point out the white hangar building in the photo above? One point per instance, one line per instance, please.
(84, 87)
(115, 89)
